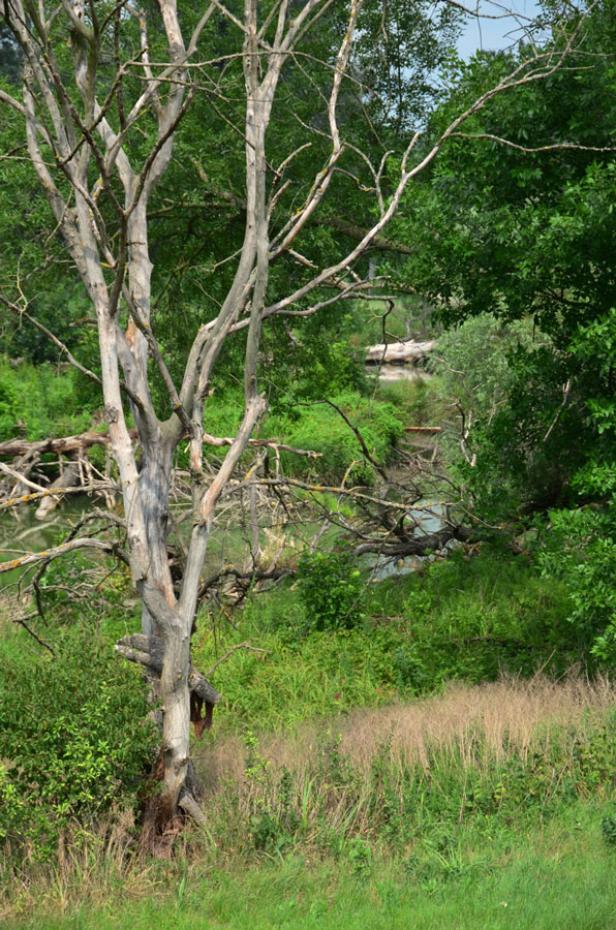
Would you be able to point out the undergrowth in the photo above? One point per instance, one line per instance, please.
(461, 619)
(476, 815)
(340, 736)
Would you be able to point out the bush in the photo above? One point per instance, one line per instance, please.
(608, 829)
(73, 738)
(331, 590)
(473, 619)
(526, 438)
(580, 551)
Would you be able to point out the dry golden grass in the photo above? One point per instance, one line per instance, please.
(477, 723)
(440, 737)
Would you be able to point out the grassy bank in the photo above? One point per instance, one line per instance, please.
(398, 770)
(555, 876)
(412, 813)
(464, 619)
(559, 878)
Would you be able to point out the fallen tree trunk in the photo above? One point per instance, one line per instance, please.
(62, 445)
(399, 353)
(423, 429)
(415, 545)
(78, 443)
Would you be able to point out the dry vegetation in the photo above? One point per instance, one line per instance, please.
(475, 724)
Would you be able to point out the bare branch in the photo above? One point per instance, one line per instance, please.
(32, 558)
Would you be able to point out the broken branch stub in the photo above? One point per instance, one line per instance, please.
(147, 651)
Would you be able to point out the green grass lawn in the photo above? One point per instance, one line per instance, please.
(559, 877)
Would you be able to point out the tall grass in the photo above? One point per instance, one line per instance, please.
(388, 775)
(480, 726)
(426, 785)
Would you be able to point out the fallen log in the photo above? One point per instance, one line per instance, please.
(409, 352)
(62, 445)
(423, 429)
(66, 445)
(416, 545)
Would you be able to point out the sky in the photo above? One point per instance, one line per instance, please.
(492, 34)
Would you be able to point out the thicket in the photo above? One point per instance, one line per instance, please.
(75, 739)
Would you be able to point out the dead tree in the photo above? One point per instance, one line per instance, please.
(84, 158)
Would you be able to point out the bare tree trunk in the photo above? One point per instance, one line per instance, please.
(71, 142)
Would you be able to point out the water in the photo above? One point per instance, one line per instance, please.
(430, 517)
(229, 544)
(387, 374)
(21, 532)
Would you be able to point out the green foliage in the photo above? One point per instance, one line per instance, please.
(319, 427)
(417, 402)
(73, 738)
(528, 236)
(580, 551)
(331, 590)
(360, 856)
(529, 453)
(524, 420)
(298, 676)
(527, 233)
(473, 361)
(580, 548)
(594, 348)
(608, 829)
(474, 619)
(463, 619)
(40, 401)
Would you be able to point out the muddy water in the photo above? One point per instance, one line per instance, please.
(21, 532)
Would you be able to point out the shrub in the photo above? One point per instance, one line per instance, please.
(73, 738)
(580, 551)
(331, 590)
(608, 829)
(525, 437)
